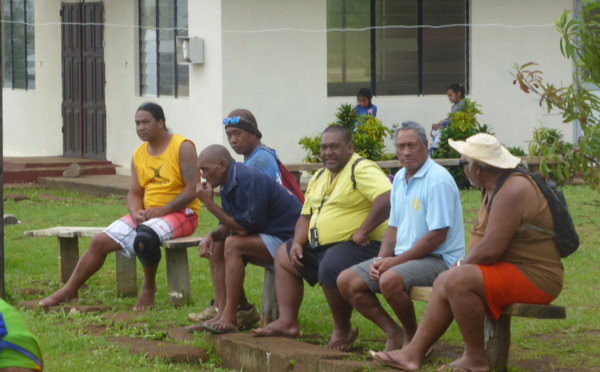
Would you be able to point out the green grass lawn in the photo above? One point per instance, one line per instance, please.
(567, 345)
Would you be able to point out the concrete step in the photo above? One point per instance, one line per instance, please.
(26, 175)
(29, 169)
(248, 353)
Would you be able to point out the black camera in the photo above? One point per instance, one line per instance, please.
(314, 238)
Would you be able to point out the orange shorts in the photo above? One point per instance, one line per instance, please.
(505, 285)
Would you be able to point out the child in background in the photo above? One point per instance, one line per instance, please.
(456, 93)
(365, 107)
(436, 133)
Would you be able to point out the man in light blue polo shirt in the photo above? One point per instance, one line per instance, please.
(424, 237)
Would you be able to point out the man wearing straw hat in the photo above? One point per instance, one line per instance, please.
(506, 261)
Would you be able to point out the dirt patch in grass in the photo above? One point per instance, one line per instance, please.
(170, 352)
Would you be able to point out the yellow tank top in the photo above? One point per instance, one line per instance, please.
(160, 176)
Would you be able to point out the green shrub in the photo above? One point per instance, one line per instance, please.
(368, 134)
(463, 124)
(548, 144)
(515, 150)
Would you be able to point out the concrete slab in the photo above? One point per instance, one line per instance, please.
(101, 185)
(168, 351)
(242, 351)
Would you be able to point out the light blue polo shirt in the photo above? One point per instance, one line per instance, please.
(430, 201)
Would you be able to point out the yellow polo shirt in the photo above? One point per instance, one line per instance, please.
(344, 209)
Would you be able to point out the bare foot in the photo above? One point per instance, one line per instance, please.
(395, 341)
(400, 359)
(465, 364)
(198, 327)
(341, 340)
(145, 300)
(214, 320)
(58, 297)
(278, 329)
(220, 328)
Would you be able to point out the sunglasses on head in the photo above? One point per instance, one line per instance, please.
(462, 163)
(234, 120)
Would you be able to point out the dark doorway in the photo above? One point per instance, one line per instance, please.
(83, 107)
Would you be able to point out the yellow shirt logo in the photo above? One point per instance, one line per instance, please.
(416, 205)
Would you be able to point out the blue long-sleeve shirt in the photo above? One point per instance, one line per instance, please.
(258, 203)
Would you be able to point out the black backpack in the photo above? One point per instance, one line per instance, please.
(565, 236)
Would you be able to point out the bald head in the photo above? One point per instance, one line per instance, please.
(215, 154)
(214, 162)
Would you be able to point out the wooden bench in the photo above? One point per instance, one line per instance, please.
(296, 169)
(178, 277)
(497, 332)
(176, 258)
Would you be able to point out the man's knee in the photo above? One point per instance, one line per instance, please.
(103, 243)
(147, 246)
(350, 284)
(460, 280)
(391, 284)
(282, 257)
(232, 245)
(344, 281)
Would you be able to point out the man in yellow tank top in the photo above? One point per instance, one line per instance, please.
(162, 205)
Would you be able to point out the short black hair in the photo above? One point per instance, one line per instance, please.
(345, 133)
(365, 92)
(457, 88)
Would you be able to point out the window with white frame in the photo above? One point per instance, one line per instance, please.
(18, 44)
(388, 46)
(161, 21)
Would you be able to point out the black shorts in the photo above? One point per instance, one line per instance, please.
(323, 264)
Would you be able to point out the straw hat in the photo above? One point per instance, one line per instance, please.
(486, 149)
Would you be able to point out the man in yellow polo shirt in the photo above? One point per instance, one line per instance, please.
(162, 205)
(342, 223)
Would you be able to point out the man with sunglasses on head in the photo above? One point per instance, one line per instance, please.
(245, 139)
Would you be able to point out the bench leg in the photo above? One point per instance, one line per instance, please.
(497, 342)
(68, 255)
(126, 276)
(178, 276)
(268, 307)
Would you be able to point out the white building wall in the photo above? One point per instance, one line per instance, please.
(194, 117)
(512, 113)
(281, 76)
(32, 119)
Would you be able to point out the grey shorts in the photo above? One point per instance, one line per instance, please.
(272, 243)
(421, 272)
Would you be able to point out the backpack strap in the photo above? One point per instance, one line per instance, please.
(501, 181)
(352, 177)
(320, 173)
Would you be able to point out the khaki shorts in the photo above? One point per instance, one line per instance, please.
(421, 272)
